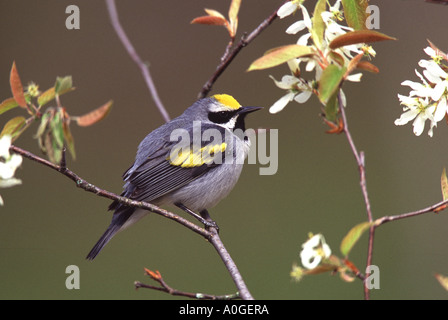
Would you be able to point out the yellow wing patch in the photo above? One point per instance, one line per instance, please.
(189, 158)
(227, 100)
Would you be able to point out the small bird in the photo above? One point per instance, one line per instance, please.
(192, 162)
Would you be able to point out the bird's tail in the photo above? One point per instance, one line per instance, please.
(121, 216)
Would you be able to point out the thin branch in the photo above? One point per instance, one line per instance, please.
(434, 208)
(229, 55)
(360, 160)
(211, 234)
(85, 185)
(231, 266)
(113, 15)
(164, 287)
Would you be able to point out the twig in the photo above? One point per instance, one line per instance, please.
(434, 208)
(112, 9)
(230, 265)
(229, 55)
(164, 287)
(83, 184)
(360, 160)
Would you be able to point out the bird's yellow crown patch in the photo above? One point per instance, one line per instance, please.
(227, 100)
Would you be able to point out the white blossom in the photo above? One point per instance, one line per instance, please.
(288, 8)
(314, 251)
(8, 165)
(298, 90)
(427, 100)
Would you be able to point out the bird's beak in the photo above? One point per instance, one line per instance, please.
(246, 110)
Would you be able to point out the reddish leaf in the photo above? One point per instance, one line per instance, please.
(155, 275)
(94, 116)
(16, 86)
(210, 20)
(358, 36)
(335, 129)
(367, 66)
(353, 64)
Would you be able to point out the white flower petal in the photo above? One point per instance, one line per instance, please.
(296, 27)
(408, 101)
(15, 161)
(419, 124)
(312, 242)
(5, 143)
(438, 90)
(310, 65)
(310, 261)
(303, 40)
(293, 65)
(430, 51)
(306, 17)
(355, 77)
(433, 68)
(406, 117)
(326, 249)
(412, 84)
(343, 98)
(441, 110)
(286, 83)
(281, 103)
(286, 9)
(6, 172)
(303, 96)
(10, 183)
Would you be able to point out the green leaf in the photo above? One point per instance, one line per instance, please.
(46, 97)
(444, 184)
(8, 104)
(69, 138)
(355, 13)
(353, 236)
(279, 55)
(233, 16)
(332, 108)
(57, 130)
(14, 127)
(318, 23)
(50, 94)
(329, 82)
(358, 36)
(63, 85)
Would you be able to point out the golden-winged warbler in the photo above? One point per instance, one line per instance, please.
(192, 161)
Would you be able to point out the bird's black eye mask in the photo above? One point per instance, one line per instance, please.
(221, 116)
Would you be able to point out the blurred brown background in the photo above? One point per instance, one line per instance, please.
(48, 224)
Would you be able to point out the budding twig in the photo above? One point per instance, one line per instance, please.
(164, 287)
(230, 54)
